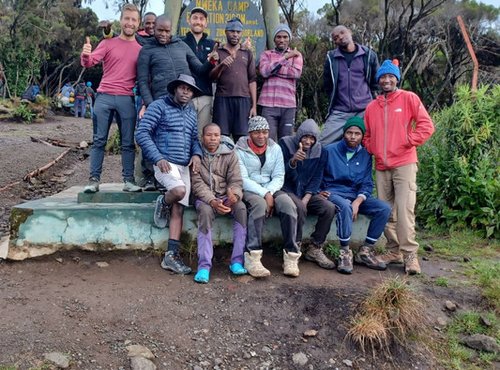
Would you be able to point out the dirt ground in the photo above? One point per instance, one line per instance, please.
(69, 304)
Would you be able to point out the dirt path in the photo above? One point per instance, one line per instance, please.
(67, 303)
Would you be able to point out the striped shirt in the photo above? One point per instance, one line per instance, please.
(280, 76)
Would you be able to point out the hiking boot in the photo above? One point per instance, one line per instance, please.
(149, 186)
(316, 254)
(161, 216)
(130, 187)
(344, 264)
(173, 262)
(366, 256)
(253, 264)
(412, 267)
(291, 263)
(92, 186)
(391, 257)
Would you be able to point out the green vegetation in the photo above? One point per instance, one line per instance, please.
(459, 174)
(441, 281)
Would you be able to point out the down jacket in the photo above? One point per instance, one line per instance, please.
(218, 172)
(169, 131)
(261, 179)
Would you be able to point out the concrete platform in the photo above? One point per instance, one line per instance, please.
(113, 219)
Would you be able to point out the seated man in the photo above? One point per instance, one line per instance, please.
(168, 136)
(305, 160)
(263, 172)
(347, 179)
(217, 189)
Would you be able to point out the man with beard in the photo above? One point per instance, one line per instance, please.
(236, 96)
(281, 68)
(348, 80)
(168, 136)
(119, 58)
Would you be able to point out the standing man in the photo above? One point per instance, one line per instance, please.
(348, 182)
(396, 123)
(305, 160)
(217, 189)
(236, 96)
(148, 22)
(119, 58)
(281, 68)
(203, 48)
(168, 136)
(263, 172)
(348, 80)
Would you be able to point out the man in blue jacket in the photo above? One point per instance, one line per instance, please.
(348, 181)
(168, 136)
(305, 160)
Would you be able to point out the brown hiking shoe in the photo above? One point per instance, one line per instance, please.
(344, 265)
(316, 254)
(412, 267)
(391, 257)
(366, 257)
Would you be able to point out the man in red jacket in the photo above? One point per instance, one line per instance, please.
(396, 123)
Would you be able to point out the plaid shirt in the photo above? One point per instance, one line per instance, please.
(280, 75)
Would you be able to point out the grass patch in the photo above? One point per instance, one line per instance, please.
(393, 312)
(441, 281)
(332, 251)
(486, 274)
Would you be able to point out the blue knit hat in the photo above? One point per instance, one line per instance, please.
(389, 67)
(282, 27)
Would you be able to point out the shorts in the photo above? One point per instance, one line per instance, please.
(232, 114)
(178, 176)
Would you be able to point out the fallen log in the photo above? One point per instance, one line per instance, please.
(44, 168)
(10, 185)
(36, 140)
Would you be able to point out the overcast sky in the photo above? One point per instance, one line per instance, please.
(158, 6)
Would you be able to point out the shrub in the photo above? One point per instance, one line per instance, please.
(459, 173)
(23, 113)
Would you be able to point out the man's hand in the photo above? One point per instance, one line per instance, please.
(163, 165)
(213, 56)
(142, 111)
(248, 44)
(270, 204)
(306, 199)
(232, 199)
(355, 207)
(292, 54)
(219, 206)
(299, 155)
(325, 194)
(253, 112)
(196, 163)
(227, 61)
(87, 47)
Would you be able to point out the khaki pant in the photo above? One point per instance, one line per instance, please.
(398, 187)
(203, 106)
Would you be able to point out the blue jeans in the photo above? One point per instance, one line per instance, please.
(378, 210)
(80, 107)
(105, 107)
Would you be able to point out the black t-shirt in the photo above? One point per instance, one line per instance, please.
(349, 56)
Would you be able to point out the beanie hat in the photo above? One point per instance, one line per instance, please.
(282, 27)
(389, 67)
(355, 121)
(234, 24)
(257, 123)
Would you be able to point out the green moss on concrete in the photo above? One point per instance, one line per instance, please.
(18, 216)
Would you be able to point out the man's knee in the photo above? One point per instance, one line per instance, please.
(285, 204)
(257, 207)
(178, 193)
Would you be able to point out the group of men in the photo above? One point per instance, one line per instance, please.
(265, 169)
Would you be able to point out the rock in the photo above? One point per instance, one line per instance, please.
(244, 279)
(310, 333)
(83, 144)
(481, 342)
(442, 321)
(299, 358)
(266, 349)
(205, 364)
(467, 259)
(218, 361)
(247, 355)
(141, 363)
(347, 363)
(428, 248)
(266, 323)
(485, 321)
(57, 358)
(425, 258)
(196, 367)
(136, 350)
(60, 260)
(102, 264)
(450, 306)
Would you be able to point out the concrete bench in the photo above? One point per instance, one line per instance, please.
(114, 220)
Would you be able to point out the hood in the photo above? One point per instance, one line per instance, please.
(308, 127)
(226, 146)
(152, 42)
(382, 99)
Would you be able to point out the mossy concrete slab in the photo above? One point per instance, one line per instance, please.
(61, 222)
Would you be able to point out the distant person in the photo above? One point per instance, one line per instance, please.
(348, 80)
(90, 97)
(236, 95)
(31, 93)
(305, 160)
(280, 68)
(348, 182)
(203, 47)
(67, 89)
(80, 100)
(116, 96)
(396, 124)
(168, 136)
(148, 24)
(217, 189)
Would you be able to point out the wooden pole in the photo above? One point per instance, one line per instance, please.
(173, 11)
(475, 71)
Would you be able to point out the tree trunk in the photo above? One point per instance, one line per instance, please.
(173, 11)
(270, 11)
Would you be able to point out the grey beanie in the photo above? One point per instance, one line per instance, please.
(257, 123)
(282, 27)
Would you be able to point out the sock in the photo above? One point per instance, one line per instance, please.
(163, 202)
(344, 244)
(174, 245)
(370, 242)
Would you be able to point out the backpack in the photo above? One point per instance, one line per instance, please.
(81, 91)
